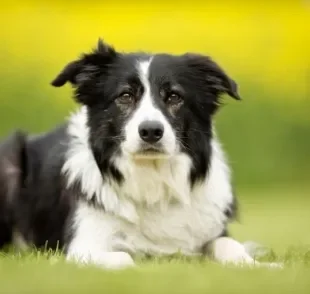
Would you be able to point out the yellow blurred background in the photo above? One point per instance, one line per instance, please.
(263, 45)
(267, 41)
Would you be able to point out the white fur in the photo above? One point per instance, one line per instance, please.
(154, 211)
(147, 111)
(81, 166)
(93, 240)
(228, 251)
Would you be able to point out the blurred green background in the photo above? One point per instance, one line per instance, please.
(263, 45)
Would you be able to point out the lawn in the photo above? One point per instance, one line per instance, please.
(277, 218)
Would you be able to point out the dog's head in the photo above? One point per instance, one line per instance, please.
(147, 106)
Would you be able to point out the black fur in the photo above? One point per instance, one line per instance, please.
(37, 204)
(103, 75)
(34, 198)
(12, 167)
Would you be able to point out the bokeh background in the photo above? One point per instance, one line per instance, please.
(263, 45)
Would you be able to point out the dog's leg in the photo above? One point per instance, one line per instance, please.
(93, 234)
(107, 260)
(84, 250)
(229, 251)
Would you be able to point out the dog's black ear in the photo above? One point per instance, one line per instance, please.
(86, 66)
(214, 75)
(68, 74)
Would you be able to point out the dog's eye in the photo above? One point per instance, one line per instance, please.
(126, 98)
(173, 99)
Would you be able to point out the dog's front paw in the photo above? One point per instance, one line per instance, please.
(115, 260)
(107, 260)
(229, 251)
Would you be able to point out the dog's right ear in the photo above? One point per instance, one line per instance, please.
(68, 74)
(84, 68)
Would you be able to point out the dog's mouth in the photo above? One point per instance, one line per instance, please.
(150, 152)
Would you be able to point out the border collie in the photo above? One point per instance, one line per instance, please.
(137, 170)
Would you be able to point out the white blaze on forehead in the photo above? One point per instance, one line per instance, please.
(143, 69)
(147, 110)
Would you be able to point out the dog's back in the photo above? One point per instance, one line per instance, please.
(12, 156)
(33, 203)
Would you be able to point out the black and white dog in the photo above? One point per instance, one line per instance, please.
(136, 170)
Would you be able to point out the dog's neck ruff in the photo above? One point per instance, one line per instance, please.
(153, 184)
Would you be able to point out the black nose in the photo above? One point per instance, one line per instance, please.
(151, 131)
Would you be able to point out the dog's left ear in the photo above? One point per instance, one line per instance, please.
(68, 74)
(80, 70)
(84, 72)
(218, 81)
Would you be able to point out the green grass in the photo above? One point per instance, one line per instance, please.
(278, 219)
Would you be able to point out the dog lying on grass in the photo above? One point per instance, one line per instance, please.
(137, 169)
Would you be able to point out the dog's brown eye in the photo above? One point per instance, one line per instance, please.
(173, 99)
(126, 98)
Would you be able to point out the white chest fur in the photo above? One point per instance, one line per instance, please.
(183, 228)
(154, 210)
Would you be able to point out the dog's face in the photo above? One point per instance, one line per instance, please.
(147, 106)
